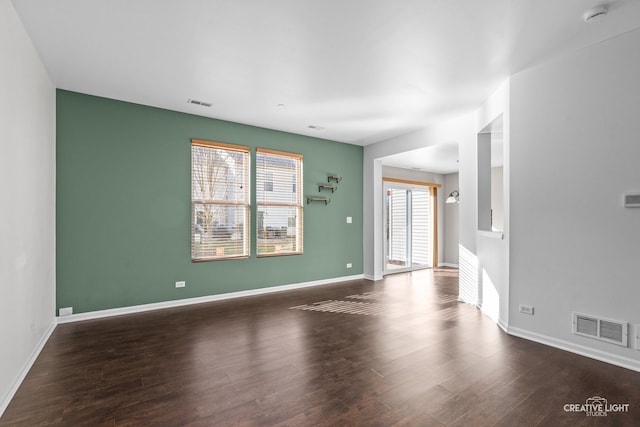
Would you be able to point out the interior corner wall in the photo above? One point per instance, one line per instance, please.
(27, 217)
(124, 207)
(575, 151)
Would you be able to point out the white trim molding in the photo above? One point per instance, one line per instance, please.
(448, 264)
(199, 300)
(503, 325)
(27, 367)
(491, 234)
(602, 356)
(581, 350)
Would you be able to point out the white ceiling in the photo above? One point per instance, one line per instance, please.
(441, 158)
(361, 70)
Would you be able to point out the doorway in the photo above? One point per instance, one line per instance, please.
(410, 226)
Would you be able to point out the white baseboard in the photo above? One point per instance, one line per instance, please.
(473, 303)
(503, 325)
(448, 264)
(592, 353)
(199, 300)
(374, 278)
(27, 366)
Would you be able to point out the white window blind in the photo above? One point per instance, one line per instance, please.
(398, 226)
(279, 202)
(219, 201)
(411, 224)
(421, 225)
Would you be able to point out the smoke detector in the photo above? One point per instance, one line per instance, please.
(596, 14)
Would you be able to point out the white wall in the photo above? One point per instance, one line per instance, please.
(452, 131)
(575, 133)
(497, 198)
(27, 192)
(451, 222)
(484, 256)
(566, 247)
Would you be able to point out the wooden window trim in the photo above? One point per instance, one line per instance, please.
(299, 206)
(410, 182)
(223, 145)
(247, 184)
(279, 153)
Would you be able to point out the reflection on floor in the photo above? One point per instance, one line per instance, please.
(424, 359)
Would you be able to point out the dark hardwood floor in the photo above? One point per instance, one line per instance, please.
(401, 351)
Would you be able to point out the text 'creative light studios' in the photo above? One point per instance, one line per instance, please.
(596, 406)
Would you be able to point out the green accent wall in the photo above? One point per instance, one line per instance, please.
(123, 207)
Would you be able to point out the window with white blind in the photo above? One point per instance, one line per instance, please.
(219, 201)
(279, 202)
(410, 218)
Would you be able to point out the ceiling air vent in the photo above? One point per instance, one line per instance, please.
(632, 200)
(596, 14)
(196, 102)
(611, 331)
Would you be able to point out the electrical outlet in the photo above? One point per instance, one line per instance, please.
(181, 284)
(637, 328)
(65, 311)
(349, 265)
(526, 309)
(349, 220)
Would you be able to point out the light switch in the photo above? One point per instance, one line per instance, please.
(349, 220)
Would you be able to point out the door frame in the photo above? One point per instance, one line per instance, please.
(409, 184)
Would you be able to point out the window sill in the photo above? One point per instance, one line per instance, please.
(195, 260)
(491, 234)
(283, 254)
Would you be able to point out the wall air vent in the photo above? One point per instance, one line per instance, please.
(632, 200)
(201, 103)
(611, 331)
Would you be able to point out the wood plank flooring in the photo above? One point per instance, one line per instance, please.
(417, 357)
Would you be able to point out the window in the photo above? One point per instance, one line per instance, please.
(268, 181)
(219, 201)
(411, 225)
(279, 201)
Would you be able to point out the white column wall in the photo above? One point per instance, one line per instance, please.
(27, 194)
(492, 249)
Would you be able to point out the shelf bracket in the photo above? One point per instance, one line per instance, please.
(333, 188)
(318, 199)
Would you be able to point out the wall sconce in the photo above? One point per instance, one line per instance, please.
(454, 197)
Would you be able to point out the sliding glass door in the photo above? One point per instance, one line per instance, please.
(409, 227)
